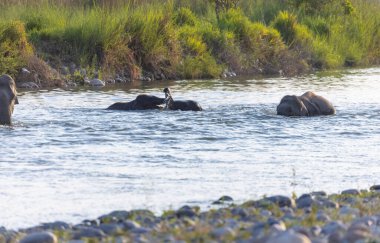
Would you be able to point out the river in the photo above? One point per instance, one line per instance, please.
(67, 158)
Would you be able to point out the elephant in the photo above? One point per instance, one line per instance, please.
(183, 105)
(308, 104)
(8, 98)
(142, 102)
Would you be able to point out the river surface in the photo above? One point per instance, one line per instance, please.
(66, 158)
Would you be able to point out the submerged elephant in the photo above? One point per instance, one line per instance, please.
(308, 104)
(183, 105)
(8, 98)
(142, 102)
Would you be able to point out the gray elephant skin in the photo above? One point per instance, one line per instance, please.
(150, 102)
(183, 105)
(8, 98)
(308, 104)
(142, 102)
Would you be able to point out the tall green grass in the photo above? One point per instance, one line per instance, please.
(185, 39)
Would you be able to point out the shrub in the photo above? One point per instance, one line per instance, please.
(286, 23)
(153, 40)
(184, 16)
(14, 47)
(318, 25)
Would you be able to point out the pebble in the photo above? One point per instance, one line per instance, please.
(345, 210)
(304, 201)
(289, 237)
(97, 83)
(130, 225)
(267, 220)
(323, 217)
(375, 188)
(110, 229)
(332, 227)
(39, 237)
(28, 85)
(87, 232)
(186, 211)
(350, 192)
(282, 201)
(222, 232)
(223, 200)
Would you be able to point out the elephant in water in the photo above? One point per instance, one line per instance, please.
(308, 104)
(142, 102)
(183, 105)
(149, 102)
(8, 98)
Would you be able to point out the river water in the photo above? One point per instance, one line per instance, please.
(66, 158)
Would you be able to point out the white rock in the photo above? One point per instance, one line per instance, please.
(97, 83)
(289, 237)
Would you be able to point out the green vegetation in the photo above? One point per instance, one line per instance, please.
(186, 38)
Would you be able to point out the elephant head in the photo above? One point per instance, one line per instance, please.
(168, 99)
(183, 105)
(8, 98)
(291, 105)
(308, 104)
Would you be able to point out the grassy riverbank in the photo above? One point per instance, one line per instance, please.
(70, 40)
(351, 216)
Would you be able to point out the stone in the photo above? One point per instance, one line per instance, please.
(332, 227)
(304, 201)
(288, 211)
(336, 237)
(57, 225)
(281, 201)
(319, 194)
(301, 230)
(289, 237)
(351, 192)
(258, 230)
(315, 230)
(130, 225)
(222, 232)
(186, 211)
(323, 217)
(87, 223)
(265, 213)
(25, 71)
(97, 83)
(40, 237)
(356, 235)
(87, 232)
(140, 230)
(274, 221)
(367, 220)
(329, 204)
(223, 200)
(111, 81)
(375, 188)
(242, 212)
(120, 214)
(345, 210)
(28, 85)
(110, 229)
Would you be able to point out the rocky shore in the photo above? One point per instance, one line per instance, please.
(351, 216)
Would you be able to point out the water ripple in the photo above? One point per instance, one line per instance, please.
(65, 151)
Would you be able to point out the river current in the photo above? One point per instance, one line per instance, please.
(67, 158)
